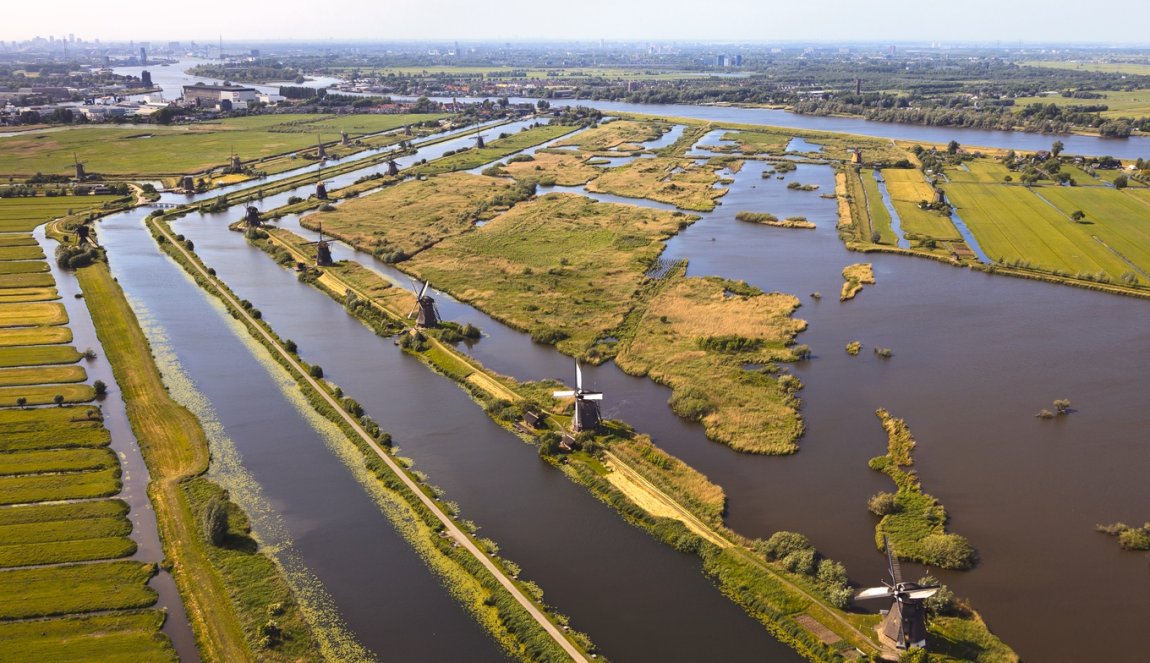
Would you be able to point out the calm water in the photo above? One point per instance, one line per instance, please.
(975, 357)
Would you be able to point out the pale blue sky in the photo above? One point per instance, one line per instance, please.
(948, 21)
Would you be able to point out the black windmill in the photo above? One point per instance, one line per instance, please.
(392, 168)
(252, 217)
(80, 174)
(424, 312)
(479, 144)
(587, 415)
(904, 625)
(322, 251)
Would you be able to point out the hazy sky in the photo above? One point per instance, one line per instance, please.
(734, 20)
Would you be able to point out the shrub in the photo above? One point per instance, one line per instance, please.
(943, 602)
(549, 336)
(882, 504)
(100, 387)
(690, 403)
(215, 521)
(1135, 539)
(316, 372)
(948, 551)
(800, 561)
(853, 348)
(782, 544)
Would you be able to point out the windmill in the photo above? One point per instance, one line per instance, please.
(80, 174)
(392, 168)
(479, 145)
(320, 187)
(252, 217)
(343, 138)
(320, 153)
(586, 403)
(425, 307)
(905, 623)
(322, 250)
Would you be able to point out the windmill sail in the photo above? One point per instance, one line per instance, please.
(587, 415)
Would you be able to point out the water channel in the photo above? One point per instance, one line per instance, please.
(975, 356)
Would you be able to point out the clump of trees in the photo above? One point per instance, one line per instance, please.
(794, 552)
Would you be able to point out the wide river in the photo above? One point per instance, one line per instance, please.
(975, 356)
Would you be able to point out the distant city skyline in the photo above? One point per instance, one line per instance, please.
(982, 21)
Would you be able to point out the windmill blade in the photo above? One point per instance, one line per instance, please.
(922, 593)
(892, 562)
(423, 291)
(875, 593)
(578, 377)
(592, 395)
(414, 310)
(563, 394)
(414, 287)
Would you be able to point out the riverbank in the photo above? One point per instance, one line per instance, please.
(510, 609)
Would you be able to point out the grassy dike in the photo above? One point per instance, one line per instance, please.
(654, 491)
(510, 609)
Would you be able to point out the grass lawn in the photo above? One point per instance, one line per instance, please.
(72, 589)
(1118, 219)
(159, 150)
(697, 338)
(1013, 223)
(983, 171)
(131, 637)
(907, 188)
(11, 240)
(23, 214)
(495, 149)
(620, 135)
(678, 182)
(409, 217)
(32, 314)
(37, 355)
(563, 267)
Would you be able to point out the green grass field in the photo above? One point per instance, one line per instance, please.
(32, 314)
(46, 394)
(1141, 69)
(21, 295)
(17, 377)
(37, 355)
(73, 589)
(880, 219)
(181, 149)
(21, 253)
(625, 135)
(34, 336)
(48, 487)
(23, 266)
(23, 214)
(13, 240)
(1012, 222)
(907, 188)
(532, 265)
(39, 280)
(1121, 103)
(56, 460)
(115, 638)
(679, 182)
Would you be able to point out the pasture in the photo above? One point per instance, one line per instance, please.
(174, 150)
(24, 214)
(907, 189)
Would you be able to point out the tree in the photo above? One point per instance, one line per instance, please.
(952, 147)
(1057, 148)
(1120, 182)
(58, 399)
(1078, 216)
(100, 387)
(21, 402)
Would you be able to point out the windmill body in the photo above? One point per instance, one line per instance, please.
(425, 312)
(587, 416)
(904, 625)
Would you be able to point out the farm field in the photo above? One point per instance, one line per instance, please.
(24, 214)
(59, 520)
(530, 266)
(907, 188)
(564, 167)
(404, 219)
(880, 219)
(160, 150)
(1105, 67)
(1013, 223)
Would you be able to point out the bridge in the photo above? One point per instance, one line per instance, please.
(163, 205)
